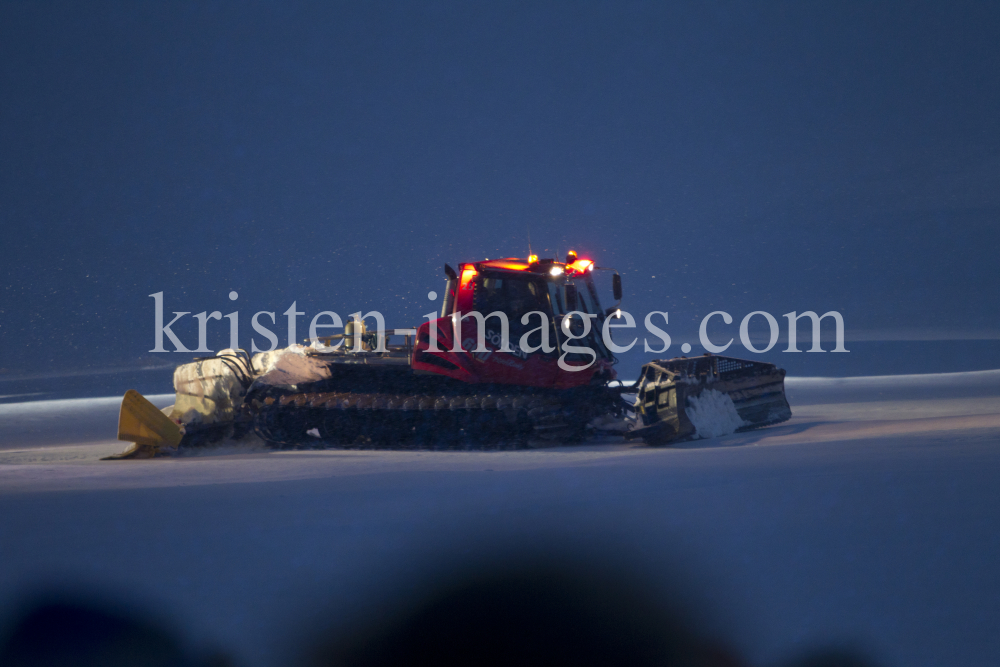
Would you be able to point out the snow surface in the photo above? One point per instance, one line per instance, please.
(869, 520)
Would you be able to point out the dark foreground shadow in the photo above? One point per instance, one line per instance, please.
(550, 614)
(510, 617)
(529, 616)
(79, 633)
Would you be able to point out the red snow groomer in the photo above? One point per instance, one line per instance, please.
(451, 382)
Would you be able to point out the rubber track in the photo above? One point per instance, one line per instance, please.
(398, 421)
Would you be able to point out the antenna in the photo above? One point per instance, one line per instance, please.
(529, 241)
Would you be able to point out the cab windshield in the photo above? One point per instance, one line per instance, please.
(579, 295)
(514, 295)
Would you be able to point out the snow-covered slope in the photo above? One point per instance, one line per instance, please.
(868, 520)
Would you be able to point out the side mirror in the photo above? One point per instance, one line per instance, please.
(616, 286)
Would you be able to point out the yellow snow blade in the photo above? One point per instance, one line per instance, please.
(143, 424)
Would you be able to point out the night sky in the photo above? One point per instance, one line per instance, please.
(722, 156)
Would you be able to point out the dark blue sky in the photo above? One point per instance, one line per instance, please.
(775, 156)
